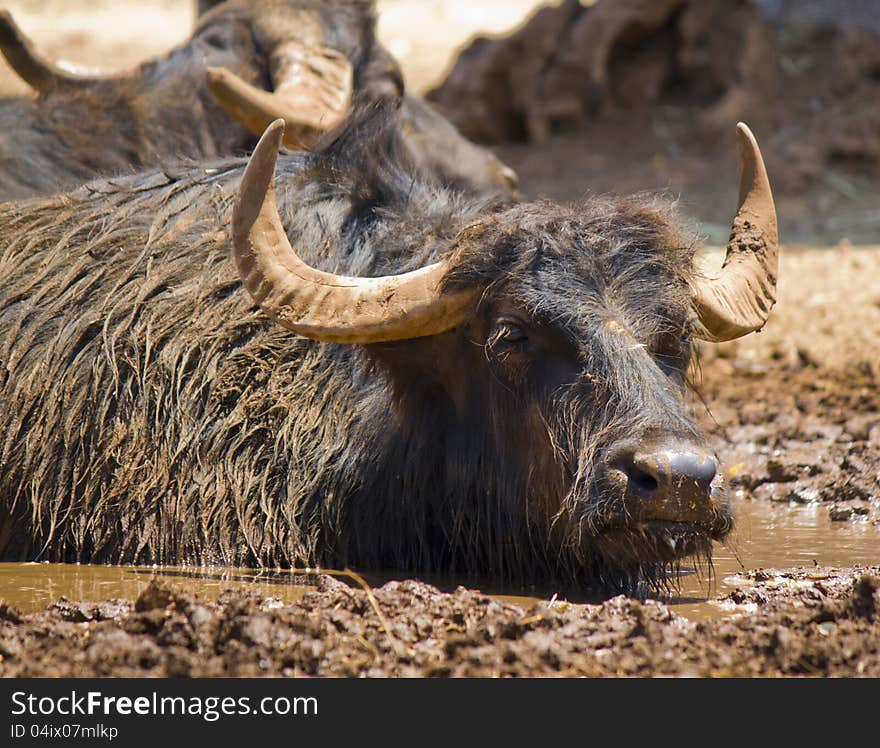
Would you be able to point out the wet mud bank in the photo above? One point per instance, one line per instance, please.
(798, 433)
(817, 622)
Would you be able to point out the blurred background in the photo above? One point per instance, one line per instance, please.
(423, 34)
(621, 96)
(624, 96)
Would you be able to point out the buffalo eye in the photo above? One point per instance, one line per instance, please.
(217, 39)
(673, 353)
(510, 331)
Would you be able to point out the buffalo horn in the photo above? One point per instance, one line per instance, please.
(313, 89)
(39, 73)
(739, 300)
(320, 305)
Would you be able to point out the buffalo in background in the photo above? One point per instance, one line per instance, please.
(305, 61)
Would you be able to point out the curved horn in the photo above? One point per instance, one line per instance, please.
(34, 69)
(739, 300)
(320, 305)
(313, 89)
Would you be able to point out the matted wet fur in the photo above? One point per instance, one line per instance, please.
(152, 414)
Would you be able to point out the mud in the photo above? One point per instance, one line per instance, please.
(818, 622)
(797, 433)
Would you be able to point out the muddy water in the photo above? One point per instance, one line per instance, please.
(771, 535)
(33, 586)
(767, 536)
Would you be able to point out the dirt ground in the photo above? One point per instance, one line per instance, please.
(798, 432)
(794, 411)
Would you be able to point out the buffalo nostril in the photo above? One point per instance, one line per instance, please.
(671, 484)
(678, 467)
(643, 480)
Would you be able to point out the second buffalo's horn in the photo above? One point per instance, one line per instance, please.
(313, 90)
(39, 73)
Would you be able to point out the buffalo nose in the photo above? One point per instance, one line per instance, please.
(669, 484)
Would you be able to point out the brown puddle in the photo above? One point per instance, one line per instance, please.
(767, 536)
(33, 586)
(775, 535)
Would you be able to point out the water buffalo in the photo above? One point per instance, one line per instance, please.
(319, 58)
(429, 382)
